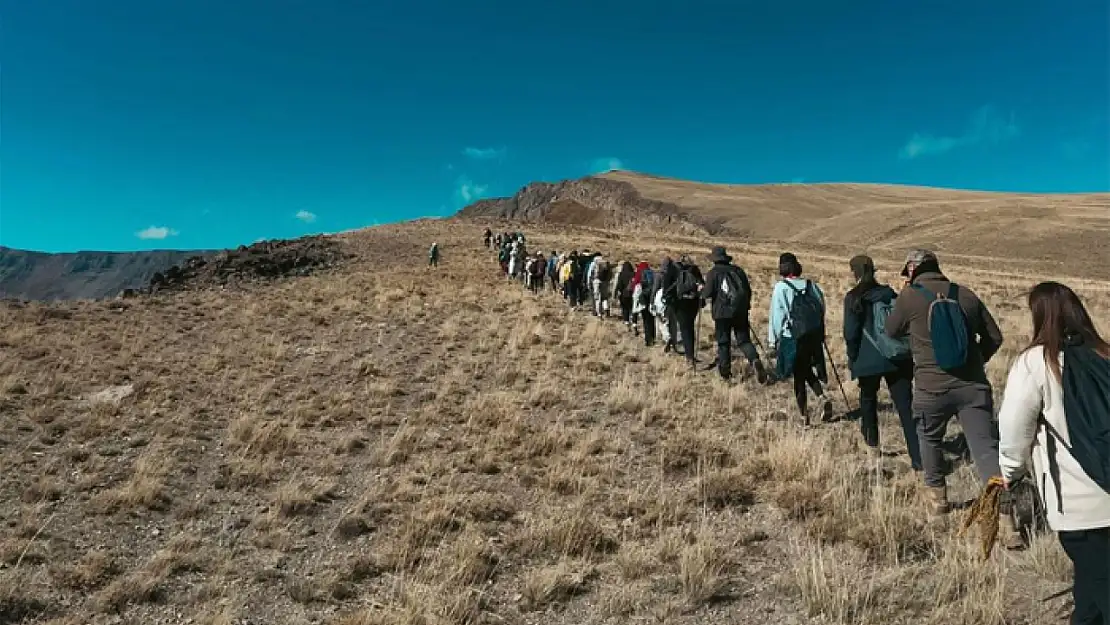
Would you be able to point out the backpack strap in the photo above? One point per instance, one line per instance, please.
(953, 292)
(1053, 465)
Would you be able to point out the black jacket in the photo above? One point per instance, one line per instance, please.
(712, 290)
(864, 358)
(624, 280)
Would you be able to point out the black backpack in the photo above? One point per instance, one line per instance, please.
(730, 293)
(1086, 384)
(807, 314)
(605, 272)
(686, 285)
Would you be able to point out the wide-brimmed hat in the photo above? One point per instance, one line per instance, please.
(719, 255)
(917, 257)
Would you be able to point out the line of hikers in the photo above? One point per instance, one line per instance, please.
(930, 343)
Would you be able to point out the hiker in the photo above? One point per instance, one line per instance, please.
(539, 268)
(663, 306)
(874, 357)
(796, 335)
(570, 279)
(728, 287)
(682, 295)
(553, 271)
(516, 256)
(503, 259)
(486, 236)
(952, 337)
(580, 276)
(623, 290)
(1054, 409)
(643, 284)
(433, 255)
(601, 280)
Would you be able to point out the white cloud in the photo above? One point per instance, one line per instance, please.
(987, 126)
(469, 191)
(156, 233)
(602, 165)
(485, 154)
(306, 216)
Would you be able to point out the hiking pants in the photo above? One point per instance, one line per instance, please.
(536, 284)
(723, 330)
(974, 406)
(649, 327)
(626, 308)
(807, 354)
(686, 313)
(572, 293)
(554, 283)
(1089, 551)
(433, 261)
(900, 385)
(601, 298)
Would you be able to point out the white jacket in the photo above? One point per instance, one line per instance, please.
(1032, 392)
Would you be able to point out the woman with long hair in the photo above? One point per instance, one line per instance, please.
(1063, 378)
(871, 358)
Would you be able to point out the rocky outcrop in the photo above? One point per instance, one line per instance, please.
(590, 201)
(263, 261)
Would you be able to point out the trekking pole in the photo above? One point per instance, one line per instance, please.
(836, 374)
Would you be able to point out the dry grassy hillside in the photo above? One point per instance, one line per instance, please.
(1067, 233)
(387, 444)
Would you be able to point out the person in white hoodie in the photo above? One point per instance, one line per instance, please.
(1071, 468)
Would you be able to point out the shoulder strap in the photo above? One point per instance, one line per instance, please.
(929, 295)
(1053, 465)
(953, 291)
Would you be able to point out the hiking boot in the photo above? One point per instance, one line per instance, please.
(1008, 535)
(826, 410)
(937, 496)
(667, 348)
(760, 373)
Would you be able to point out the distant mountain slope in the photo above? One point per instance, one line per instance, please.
(1050, 228)
(42, 276)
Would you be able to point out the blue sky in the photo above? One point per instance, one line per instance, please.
(131, 124)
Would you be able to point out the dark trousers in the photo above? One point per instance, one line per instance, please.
(626, 308)
(649, 327)
(686, 313)
(723, 330)
(808, 352)
(536, 283)
(900, 385)
(1089, 551)
(582, 291)
(554, 282)
(433, 261)
(572, 293)
(974, 406)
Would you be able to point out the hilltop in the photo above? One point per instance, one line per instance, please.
(979, 226)
(375, 443)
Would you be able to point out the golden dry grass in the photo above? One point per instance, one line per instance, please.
(388, 445)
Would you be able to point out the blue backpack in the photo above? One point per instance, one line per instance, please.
(891, 349)
(948, 328)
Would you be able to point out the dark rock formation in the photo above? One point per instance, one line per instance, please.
(589, 201)
(266, 260)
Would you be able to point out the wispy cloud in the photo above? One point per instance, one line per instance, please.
(156, 233)
(485, 154)
(306, 216)
(602, 165)
(986, 127)
(469, 191)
